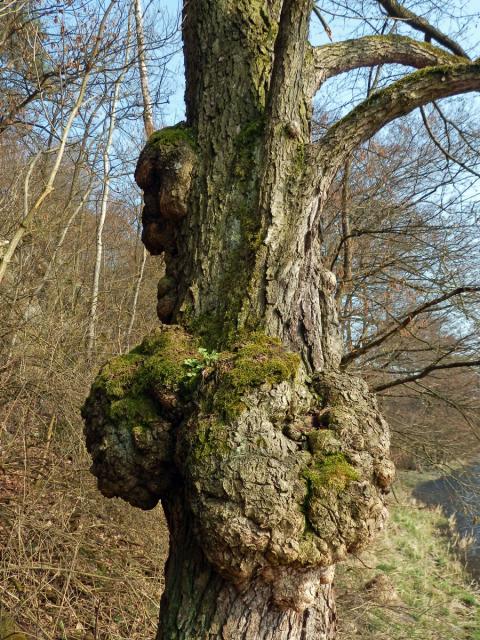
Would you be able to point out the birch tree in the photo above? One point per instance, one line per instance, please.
(103, 206)
(149, 129)
(31, 212)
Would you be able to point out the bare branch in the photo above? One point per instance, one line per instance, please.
(425, 372)
(382, 107)
(333, 59)
(323, 22)
(395, 10)
(142, 67)
(388, 333)
(439, 146)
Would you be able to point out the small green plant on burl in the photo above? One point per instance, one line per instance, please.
(196, 366)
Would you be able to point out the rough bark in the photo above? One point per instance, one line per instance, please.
(267, 478)
(271, 464)
(201, 604)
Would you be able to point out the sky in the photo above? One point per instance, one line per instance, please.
(175, 111)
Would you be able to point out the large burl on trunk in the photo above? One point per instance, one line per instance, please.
(268, 477)
(271, 464)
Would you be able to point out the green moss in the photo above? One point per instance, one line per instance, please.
(257, 359)
(259, 40)
(210, 328)
(164, 354)
(398, 96)
(208, 440)
(171, 136)
(159, 359)
(322, 441)
(116, 376)
(313, 550)
(300, 162)
(331, 472)
(131, 409)
(250, 134)
(125, 385)
(254, 360)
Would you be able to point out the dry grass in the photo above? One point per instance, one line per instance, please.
(73, 565)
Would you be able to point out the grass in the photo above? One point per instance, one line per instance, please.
(74, 565)
(434, 597)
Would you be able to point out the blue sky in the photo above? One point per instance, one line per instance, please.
(175, 111)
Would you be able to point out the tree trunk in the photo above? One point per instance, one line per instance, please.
(271, 465)
(198, 603)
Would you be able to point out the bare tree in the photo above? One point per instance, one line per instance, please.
(31, 212)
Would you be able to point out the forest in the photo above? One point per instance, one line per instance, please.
(239, 320)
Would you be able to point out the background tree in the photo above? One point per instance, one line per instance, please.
(407, 268)
(52, 521)
(270, 462)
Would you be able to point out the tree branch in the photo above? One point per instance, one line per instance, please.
(333, 59)
(425, 372)
(378, 339)
(441, 148)
(382, 107)
(323, 22)
(395, 10)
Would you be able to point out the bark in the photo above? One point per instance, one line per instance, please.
(201, 604)
(271, 465)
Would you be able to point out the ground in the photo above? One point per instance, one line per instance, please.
(76, 566)
(409, 585)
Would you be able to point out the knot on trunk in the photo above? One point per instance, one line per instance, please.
(350, 471)
(164, 172)
(135, 405)
(283, 476)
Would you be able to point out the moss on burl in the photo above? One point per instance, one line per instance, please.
(255, 360)
(171, 137)
(158, 361)
(131, 413)
(331, 472)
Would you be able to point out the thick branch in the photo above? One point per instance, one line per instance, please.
(396, 10)
(384, 106)
(290, 47)
(332, 59)
(378, 339)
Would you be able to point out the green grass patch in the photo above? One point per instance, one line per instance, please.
(435, 598)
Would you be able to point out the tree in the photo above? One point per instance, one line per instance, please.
(270, 461)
